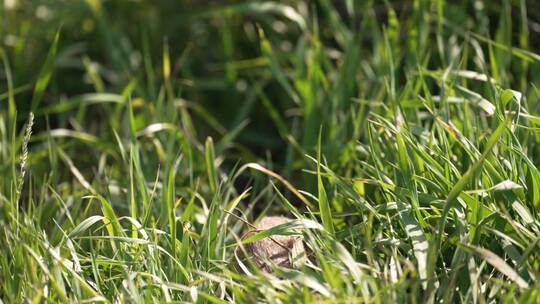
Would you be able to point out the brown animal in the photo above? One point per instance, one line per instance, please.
(281, 250)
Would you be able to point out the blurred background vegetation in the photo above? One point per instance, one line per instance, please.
(271, 72)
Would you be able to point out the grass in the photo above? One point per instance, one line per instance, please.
(139, 140)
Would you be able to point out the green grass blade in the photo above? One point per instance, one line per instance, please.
(45, 74)
(324, 205)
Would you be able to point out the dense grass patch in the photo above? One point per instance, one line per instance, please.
(140, 140)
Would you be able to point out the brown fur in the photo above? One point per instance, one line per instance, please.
(277, 249)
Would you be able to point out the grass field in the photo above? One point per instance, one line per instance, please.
(141, 139)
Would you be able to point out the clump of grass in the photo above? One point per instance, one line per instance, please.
(401, 139)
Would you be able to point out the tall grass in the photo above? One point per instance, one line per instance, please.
(139, 142)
